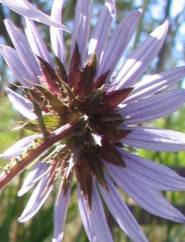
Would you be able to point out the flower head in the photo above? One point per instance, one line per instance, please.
(86, 113)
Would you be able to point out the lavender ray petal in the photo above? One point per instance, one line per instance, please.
(19, 147)
(101, 31)
(155, 139)
(23, 50)
(132, 108)
(39, 170)
(36, 200)
(139, 60)
(60, 212)
(119, 41)
(121, 213)
(23, 105)
(12, 59)
(152, 174)
(148, 198)
(153, 107)
(81, 28)
(35, 41)
(56, 34)
(93, 218)
(152, 84)
(24, 8)
(85, 215)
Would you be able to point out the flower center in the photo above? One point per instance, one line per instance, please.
(78, 98)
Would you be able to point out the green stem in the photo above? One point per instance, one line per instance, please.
(42, 126)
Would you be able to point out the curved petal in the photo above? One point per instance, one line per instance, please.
(24, 8)
(155, 139)
(36, 43)
(37, 199)
(12, 59)
(153, 107)
(23, 105)
(101, 31)
(56, 34)
(152, 84)
(140, 59)
(152, 174)
(23, 50)
(148, 198)
(93, 218)
(60, 212)
(118, 43)
(121, 213)
(38, 171)
(81, 28)
(19, 147)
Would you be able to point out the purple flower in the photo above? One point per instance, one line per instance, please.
(86, 113)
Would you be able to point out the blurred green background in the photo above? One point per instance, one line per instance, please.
(39, 229)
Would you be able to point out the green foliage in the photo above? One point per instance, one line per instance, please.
(8, 121)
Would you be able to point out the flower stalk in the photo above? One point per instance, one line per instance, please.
(62, 133)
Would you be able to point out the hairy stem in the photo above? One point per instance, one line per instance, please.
(61, 133)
